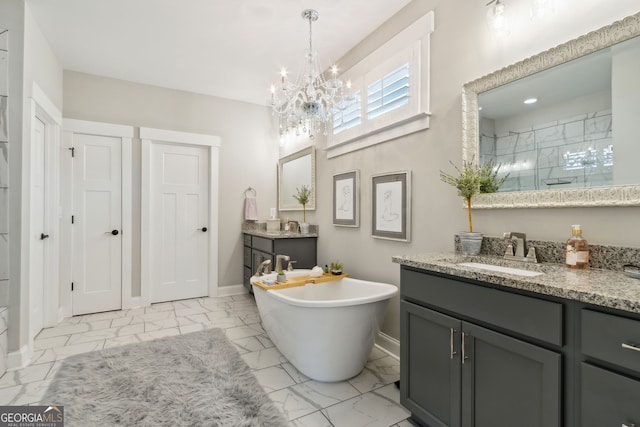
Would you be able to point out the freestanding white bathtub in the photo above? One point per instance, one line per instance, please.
(325, 330)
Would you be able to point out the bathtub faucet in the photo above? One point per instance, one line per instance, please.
(264, 267)
(279, 259)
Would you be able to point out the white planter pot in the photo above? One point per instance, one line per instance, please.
(304, 228)
(470, 242)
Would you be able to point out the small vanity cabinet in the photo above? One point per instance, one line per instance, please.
(262, 246)
(484, 355)
(478, 356)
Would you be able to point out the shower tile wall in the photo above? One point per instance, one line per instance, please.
(574, 152)
(4, 195)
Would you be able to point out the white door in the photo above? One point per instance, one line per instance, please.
(179, 201)
(38, 234)
(97, 201)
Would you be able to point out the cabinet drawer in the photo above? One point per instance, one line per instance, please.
(262, 244)
(608, 399)
(532, 317)
(603, 337)
(247, 239)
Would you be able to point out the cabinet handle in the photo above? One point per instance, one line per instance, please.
(631, 347)
(451, 352)
(463, 356)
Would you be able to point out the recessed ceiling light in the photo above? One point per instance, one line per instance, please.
(531, 100)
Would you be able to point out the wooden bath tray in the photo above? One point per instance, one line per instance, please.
(301, 281)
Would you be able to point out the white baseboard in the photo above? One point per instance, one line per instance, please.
(133, 302)
(388, 344)
(225, 291)
(18, 359)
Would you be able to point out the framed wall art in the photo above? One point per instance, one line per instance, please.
(346, 199)
(391, 206)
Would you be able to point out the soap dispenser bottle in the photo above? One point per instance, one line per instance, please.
(577, 250)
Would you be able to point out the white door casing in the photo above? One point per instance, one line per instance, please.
(40, 208)
(179, 221)
(175, 252)
(39, 234)
(97, 231)
(87, 239)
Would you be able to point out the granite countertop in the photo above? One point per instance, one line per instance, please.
(278, 234)
(605, 288)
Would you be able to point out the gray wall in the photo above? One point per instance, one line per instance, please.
(248, 154)
(462, 50)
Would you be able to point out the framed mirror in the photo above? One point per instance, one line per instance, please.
(577, 144)
(294, 171)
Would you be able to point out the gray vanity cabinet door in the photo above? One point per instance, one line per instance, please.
(508, 382)
(430, 365)
(608, 399)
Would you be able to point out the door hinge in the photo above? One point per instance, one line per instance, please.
(73, 219)
(73, 151)
(71, 286)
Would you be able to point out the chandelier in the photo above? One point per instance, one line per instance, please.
(307, 105)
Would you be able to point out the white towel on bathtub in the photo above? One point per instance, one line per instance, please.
(250, 209)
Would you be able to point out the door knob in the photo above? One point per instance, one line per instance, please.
(43, 236)
(203, 229)
(114, 232)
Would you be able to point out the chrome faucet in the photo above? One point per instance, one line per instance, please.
(290, 266)
(279, 259)
(263, 268)
(518, 254)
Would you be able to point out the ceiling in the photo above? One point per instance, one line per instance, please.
(228, 48)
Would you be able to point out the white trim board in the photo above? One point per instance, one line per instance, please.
(150, 136)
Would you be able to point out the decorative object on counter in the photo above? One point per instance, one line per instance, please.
(346, 199)
(577, 250)
(302, 196)
(336, 268)
(281, 277)
(316, 272)
(293, 227)
(273, 213)
(391, 206)
(472, 180)
(250, 205)
(273, 225)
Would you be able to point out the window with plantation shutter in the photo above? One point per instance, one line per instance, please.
(390, 92)
(348, 116)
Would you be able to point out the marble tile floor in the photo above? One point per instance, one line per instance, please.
(369, 399)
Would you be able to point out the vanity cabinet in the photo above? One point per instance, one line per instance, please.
(610, 369)
(302, 250)
(478, 356)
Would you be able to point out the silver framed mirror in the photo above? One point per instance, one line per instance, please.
(627, 194)
(294, 171)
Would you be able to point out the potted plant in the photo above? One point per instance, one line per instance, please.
(281, 276)
(336, 268)
(302, 196)
(472, 180)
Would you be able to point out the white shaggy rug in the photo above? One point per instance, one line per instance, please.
(197, 379)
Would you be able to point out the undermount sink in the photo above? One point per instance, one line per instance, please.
(501, 269)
